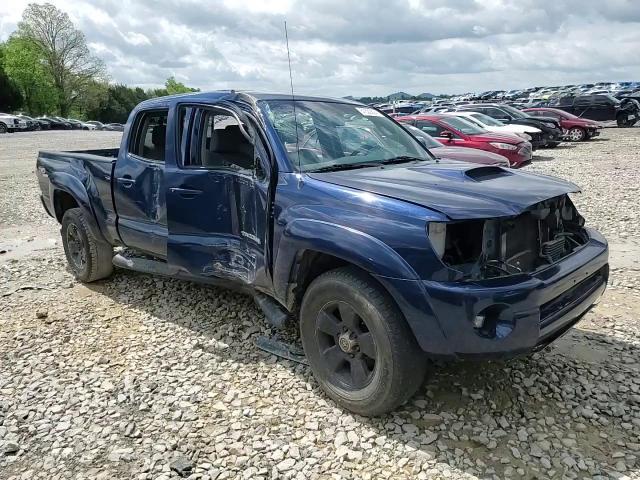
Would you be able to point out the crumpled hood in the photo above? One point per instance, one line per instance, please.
(457, 189)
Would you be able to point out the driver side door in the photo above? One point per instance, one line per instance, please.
(217, 198)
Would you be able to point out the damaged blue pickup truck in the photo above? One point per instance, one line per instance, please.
(332, 214)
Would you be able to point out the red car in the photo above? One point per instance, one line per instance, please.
(576, 129)
(461, 154)
(456, 132)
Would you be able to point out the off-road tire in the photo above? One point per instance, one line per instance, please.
(400, 364)
(97, 254)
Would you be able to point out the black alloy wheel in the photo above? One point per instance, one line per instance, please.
(77, 248)
(346, 345)
(359, 346)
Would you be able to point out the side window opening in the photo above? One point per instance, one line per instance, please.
(431, 128)
(216, 142)
(150, 136)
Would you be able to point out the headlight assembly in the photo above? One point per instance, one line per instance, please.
(437, 232)
(503, 146)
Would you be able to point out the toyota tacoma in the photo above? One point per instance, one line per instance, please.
(385, 255)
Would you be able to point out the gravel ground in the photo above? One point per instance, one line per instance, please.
(149, 378)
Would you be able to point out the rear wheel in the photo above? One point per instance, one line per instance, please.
(89, 259)
(358, 344)
(3, 128)
(623, 120)
(576, 134)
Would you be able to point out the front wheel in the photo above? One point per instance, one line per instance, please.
(358, 344)
(3, 128)
(89, 258)
(577, 134)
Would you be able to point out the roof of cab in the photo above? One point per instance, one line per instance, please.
(234, 94)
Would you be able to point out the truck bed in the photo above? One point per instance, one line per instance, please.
(80, 170)
(101, 154)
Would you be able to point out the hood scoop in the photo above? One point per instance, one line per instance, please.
(480, 174)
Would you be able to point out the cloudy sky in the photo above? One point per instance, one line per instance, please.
(373, 47)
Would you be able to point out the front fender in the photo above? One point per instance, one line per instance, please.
(61, 181)
(369, 254)
(353, 246)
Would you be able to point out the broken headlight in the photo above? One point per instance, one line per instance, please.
(495, 247)
(437, 232)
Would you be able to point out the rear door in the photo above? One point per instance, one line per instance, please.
(217, 198)
(582, 106)
(138, 184)
(603, 108)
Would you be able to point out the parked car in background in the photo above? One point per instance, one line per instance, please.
(456, 132)
(576, 129)
(526, 132)
(550, 127)
(57, 123)
(96, 124)
(461, 154)
(114, 127)
(75, 124)
(11, 123)
(32, 123)
(600, 107)
(83, 125)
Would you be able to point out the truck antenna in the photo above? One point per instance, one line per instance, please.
(293, 98)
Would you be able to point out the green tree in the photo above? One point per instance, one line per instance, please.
(10, 96)
(64, 48)
(25, 65)
(117, 103)
(173, 87)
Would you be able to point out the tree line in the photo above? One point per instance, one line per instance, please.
(46, 68)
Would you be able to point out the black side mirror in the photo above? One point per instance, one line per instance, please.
(447, 134)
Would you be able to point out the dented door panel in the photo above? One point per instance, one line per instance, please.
(139, 197)
(220, 230)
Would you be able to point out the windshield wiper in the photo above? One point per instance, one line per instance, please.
(346, 166)
(403, 159)
(352, 166)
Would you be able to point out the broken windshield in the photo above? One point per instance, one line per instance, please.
(324, 135)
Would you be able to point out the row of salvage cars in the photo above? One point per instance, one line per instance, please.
(496, 134)
(10, 123)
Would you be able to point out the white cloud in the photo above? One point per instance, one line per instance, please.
(359, 48)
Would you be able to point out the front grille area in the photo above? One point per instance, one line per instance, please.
(556, 308)
(536, 137)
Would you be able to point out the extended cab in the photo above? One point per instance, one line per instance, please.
(385, 254)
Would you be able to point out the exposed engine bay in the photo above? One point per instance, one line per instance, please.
(481, 249)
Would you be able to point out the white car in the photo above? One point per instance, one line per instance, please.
(11, 123)
(493, 125)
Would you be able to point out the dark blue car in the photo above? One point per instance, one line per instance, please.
(330, 212)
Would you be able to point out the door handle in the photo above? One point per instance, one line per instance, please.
(127, 182)
(185, 192)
